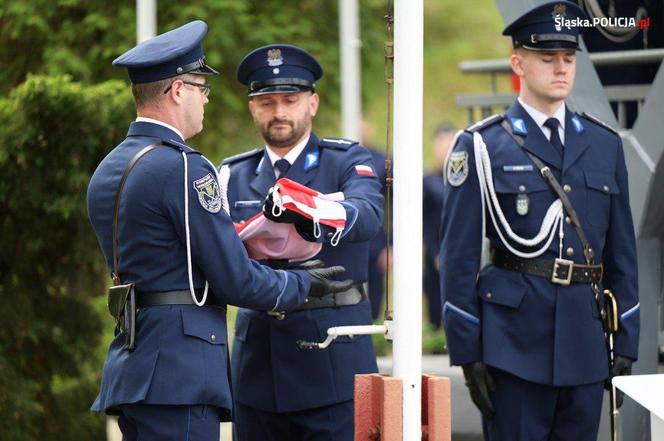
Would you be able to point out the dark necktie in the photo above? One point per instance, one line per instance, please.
(552, 124)
(282, 165)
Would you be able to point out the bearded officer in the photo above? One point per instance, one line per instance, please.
(283, 393)
(180, 250)
(527, 329)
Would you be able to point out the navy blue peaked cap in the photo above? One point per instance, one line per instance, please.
(552, 26)
(167, 55)
(279, 68)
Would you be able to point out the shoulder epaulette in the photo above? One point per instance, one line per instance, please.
(242, 156)
(598, 121)
(486, 122)
(179, 146)
(336, 143)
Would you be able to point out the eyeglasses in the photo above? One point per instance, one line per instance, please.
(205, 88)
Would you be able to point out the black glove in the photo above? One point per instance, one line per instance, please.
(286, 216)
(306, 265)
(621, 366)
(480, 383)
(321, 283)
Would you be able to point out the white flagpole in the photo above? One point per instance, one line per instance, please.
(350, 43)
(146, 19)
(408, 77)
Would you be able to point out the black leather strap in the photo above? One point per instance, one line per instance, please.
(178, 297)
(550, 269)
(588, 252)
(116, 210)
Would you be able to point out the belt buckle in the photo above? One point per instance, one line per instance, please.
(557, 264)
(279, 315)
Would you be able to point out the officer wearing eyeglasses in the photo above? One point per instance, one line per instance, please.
(548, 187)
(180, 250)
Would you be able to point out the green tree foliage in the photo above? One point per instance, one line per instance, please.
(54, 133)
(82, 37)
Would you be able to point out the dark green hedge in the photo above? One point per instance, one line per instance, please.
(53, 133)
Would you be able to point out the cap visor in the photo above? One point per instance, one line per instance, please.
(280, 89)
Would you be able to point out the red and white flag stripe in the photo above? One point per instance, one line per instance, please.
(364, 170)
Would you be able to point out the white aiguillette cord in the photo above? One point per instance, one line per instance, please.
(553, 217)
(188, 240)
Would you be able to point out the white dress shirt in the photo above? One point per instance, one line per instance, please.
(540, 118)
(291, 156)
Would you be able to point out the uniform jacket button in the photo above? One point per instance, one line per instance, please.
(606, 188)
(570, 251)
(567, 188)
(568, 219)
(213, 337)
(489, 295)
(522, 188)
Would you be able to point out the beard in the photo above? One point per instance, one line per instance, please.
(289, 132)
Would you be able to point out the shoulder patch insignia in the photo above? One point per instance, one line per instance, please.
(337, 143)
(598, 122)
(486, 122)
(457, 168)
(242, 156)
(209, 195)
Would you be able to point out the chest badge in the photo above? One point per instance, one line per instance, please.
(522, 204)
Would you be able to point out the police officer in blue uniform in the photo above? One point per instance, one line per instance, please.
(527, 329)
(282, 393)
(180, 250)
(432, 207)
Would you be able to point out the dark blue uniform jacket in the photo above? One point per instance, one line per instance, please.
(524, 324)
(181, 355)
(269, 372)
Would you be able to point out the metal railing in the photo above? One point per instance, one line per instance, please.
(488, 103)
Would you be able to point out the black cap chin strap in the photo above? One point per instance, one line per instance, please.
(538, 38)
(198, 64)
(255, 86)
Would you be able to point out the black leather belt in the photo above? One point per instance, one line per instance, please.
(350, 297)
(560, 271)
(178, 297)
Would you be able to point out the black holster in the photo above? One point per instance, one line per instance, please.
(122, 306)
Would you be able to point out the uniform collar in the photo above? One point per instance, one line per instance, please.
(534, 139)
(540, 118)
(292, 155)
(161, 123)
(575, 140)
(151, 130)
(303, 169)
